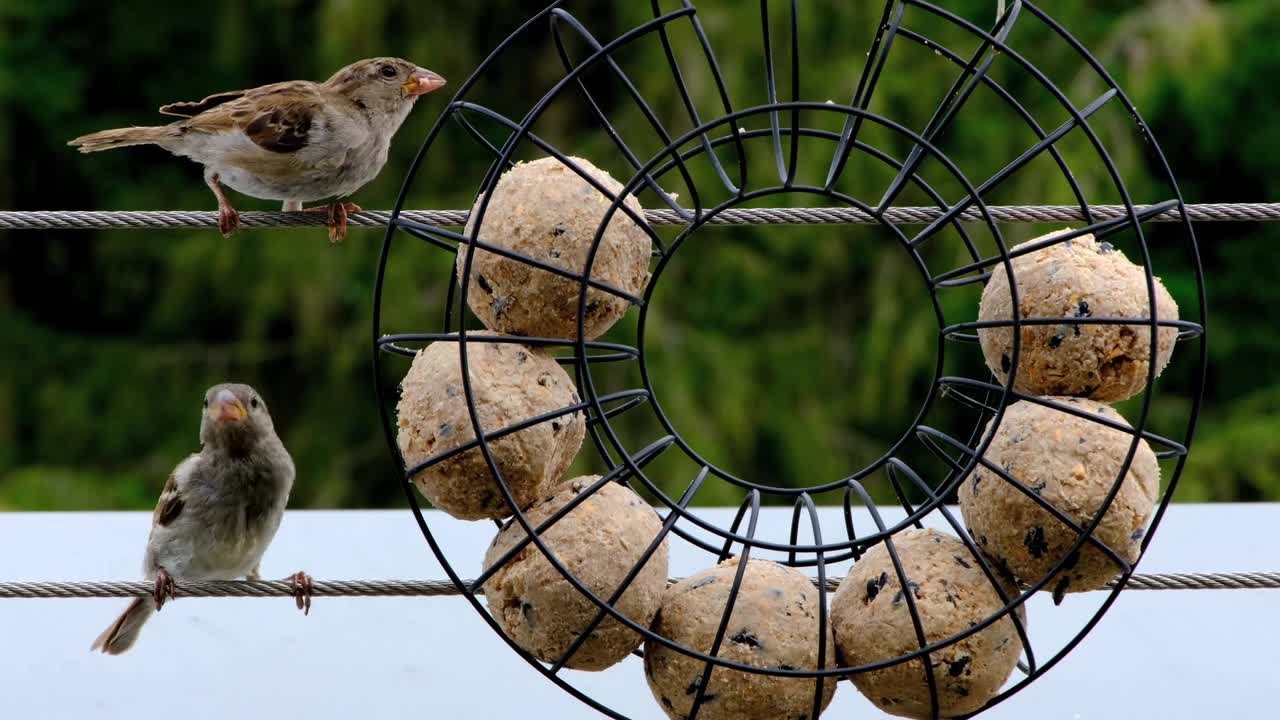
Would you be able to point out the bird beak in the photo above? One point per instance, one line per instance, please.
(226, 408)
(422, 82)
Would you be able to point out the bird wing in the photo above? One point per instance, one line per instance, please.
(170, 505)
(191, 109)
(277, 118)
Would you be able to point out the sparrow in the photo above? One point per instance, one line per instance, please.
(218, 511)
(296, 141)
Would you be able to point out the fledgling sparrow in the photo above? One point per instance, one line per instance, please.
(218, 510)
(296, 141)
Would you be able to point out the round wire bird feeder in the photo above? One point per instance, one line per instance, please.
(712, 160)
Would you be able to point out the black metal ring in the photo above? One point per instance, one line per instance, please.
(982, 395)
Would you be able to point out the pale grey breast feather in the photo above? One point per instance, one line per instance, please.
(233, 506)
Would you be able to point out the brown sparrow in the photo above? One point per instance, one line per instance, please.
(294, 141)
(218, 511)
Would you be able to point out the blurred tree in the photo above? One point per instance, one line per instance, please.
(785, 354)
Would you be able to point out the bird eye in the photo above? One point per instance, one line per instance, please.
(254, 403)
(387, 71)
(206, 403)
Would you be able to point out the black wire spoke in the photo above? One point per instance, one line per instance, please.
(470, 596)
(900, 493)
(393, 344)
(1187, 330)
(624, 404)
(786, 167)
(815, 529)
(1048, 85)
(1191, 331)
(452, 297)
(619, 474)
(477, 585)
(861, 146)
(1175, 447)
(1081, 532)
(426, 232)
(952, 391)
(1017, 107)
(723, 91)
(446, 240)
(597, 359)
(963, 534)
(795, 92)
(771, 92)
(865, 210)
(753, 501)
(981, 277)
(1031, 153)
(522, 129)
(593, 432)
(957, 467)
(596, 420)
(517, 427)
(687, 99)
(634, 572)
(905, 584)
(701, 131)
(726, 551)
(1100, 230)
(535, 537)
(689, 536)
(460, 118)
(870, 76)
(851, 533)
(559, 15)
(960, 92)
(935, 646)
(630, 404)
(1189, 327)
(986, 411)
(636, 217)
(394, 340)
(643, 457)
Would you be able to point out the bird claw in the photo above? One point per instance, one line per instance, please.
(228, 220)
(302, 589)
(336, 217)
(164, 589)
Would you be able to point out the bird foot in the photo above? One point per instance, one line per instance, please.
(302, 589)
(228, 220)
(336, 214)
(164, 589)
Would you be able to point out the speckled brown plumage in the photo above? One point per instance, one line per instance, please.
(297, 141)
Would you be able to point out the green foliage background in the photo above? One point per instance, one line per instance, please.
(788, 355)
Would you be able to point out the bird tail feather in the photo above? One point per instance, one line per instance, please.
(121, 137)
(123, 633)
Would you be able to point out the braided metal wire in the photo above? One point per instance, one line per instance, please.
(441, 588)
(228, 588)
(148, 220)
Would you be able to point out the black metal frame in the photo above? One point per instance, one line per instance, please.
(984, 395)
